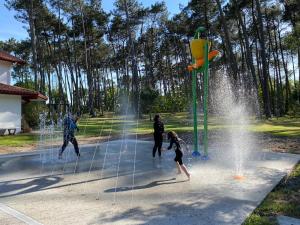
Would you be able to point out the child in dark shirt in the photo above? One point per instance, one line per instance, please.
(158, 127)
(172, 136)
(69, 129)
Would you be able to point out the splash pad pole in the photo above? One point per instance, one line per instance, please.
(201, 57)
(194, 90)
(205, 101)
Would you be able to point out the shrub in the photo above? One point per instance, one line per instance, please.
(31, 112)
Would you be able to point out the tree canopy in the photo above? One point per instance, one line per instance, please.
(82, 56)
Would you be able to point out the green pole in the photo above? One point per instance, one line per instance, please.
(205, 99)
(194, 90)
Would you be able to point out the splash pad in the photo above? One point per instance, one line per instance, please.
(157, 195)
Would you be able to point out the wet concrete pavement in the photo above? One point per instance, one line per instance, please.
(118, 182)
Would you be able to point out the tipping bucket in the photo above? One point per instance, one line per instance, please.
(197, 48)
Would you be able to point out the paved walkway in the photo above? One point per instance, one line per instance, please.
(119, 183)
(285, 220)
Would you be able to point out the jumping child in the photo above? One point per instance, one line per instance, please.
(172, 136)
(69, 128)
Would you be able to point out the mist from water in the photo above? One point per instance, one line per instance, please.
(232, 108)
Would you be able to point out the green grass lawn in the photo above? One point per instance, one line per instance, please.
(182, 122)
(283, 200)
(18, 140)
(115, 124)
(284, 126)
(179, 122)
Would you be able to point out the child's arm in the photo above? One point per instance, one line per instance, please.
(171, 144)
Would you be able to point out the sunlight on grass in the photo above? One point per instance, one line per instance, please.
(287, 128)
(182, 122)
(178, 122)
(18, 140)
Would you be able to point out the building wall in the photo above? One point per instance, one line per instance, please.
(10, 112)
(5, 72)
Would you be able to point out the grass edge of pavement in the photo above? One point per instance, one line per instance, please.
(282, 200)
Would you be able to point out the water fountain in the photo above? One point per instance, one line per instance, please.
(228, 103)
(232, 110)
(124, 144)
(46, 138)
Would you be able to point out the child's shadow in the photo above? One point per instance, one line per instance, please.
(150, 185)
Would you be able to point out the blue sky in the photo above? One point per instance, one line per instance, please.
(10, 27)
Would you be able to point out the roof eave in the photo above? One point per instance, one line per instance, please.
(38, 97)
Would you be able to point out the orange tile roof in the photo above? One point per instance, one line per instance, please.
(10, 58)
(26, 94)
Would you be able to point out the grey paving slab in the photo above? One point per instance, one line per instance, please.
(119, 183)
(285, 220)
(6, 219)
(17, 215)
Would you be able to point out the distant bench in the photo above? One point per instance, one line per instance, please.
(2, 132)
(11, 131)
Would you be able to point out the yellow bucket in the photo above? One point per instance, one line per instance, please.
(197, 48)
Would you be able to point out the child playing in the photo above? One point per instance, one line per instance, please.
(69, 129)
(158, 135)
(172, 136)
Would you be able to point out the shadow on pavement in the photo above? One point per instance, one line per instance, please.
(150, 185)
(34, 185)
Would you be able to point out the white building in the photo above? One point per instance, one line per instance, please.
(12, 97)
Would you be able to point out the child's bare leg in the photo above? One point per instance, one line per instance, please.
(183, 167)
(178, 168)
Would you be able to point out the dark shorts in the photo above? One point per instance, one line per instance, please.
(178, 157)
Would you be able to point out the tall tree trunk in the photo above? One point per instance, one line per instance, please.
(88, 71)
(50, 92)
(258, 64)
(294, 72)
(133, 58)
(265, 87)
(228, 47)
(280, 92)
(299, 74)
(287, 85)
(31, 17)
(248, 49)
(276, 88)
